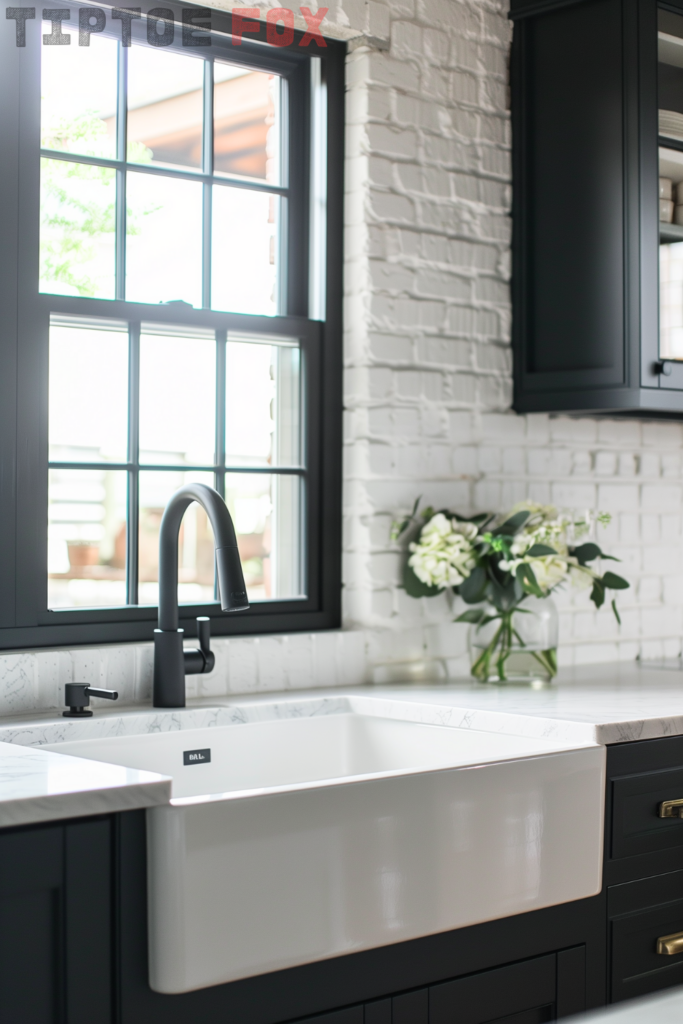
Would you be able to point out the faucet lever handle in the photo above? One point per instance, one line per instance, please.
(204, 637)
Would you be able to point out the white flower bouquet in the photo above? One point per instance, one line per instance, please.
(499, 563)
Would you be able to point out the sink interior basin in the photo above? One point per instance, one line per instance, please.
(286, 752)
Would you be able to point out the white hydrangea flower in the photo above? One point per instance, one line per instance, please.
(549, 571)
(443, 556)
(546, 526)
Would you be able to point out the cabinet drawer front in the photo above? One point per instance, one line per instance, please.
(637, 967)
(636, 825)
(527, 987)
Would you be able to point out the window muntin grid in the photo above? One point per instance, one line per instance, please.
(91, 541)
(104, 192)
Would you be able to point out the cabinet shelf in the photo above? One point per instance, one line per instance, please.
(670, 233)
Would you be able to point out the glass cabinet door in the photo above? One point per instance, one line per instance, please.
(670, 103)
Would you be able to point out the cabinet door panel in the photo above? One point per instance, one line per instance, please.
(528, 987)
(378, 1012)
(571, 981)
(538, 1016)
(29, 945)
(31, 869)
(411, 1007)
(569, 214)
(56, 923)
(351, 1015)
(88, 920)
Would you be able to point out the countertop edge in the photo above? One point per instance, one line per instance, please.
(83, 804)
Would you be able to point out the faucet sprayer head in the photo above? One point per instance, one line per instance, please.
(232, 589)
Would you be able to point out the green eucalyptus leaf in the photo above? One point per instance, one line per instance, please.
(598, 594)
(614, 609)
(513, 524)
(473, 588)
(527, 577)
(538, 550)
(586, 552)
(473, 615)
(614, 582)
(414, 587)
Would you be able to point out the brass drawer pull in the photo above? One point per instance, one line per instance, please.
(671, 809)
(669, 945)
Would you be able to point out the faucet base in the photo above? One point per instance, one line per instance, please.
(169, 669)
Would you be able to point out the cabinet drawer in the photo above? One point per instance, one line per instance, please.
(526, 988)
(636, 825)
(637, 967)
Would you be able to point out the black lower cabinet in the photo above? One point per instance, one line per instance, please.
(643, 866)
(56, 940)
(530, 992)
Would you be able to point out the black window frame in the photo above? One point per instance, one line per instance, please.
(24, 617)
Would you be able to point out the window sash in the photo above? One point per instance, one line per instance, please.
(219, 467)
(24, 619)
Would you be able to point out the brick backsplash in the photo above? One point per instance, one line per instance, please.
(428, 361)
(428, 384)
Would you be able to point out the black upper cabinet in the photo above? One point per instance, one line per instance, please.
(587, 83)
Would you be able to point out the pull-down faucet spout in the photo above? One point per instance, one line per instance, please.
(171, 661)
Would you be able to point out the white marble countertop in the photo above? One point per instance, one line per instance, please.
(599, 703)
(595, 703)
(38, 785)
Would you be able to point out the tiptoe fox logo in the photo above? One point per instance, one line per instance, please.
(161, 24)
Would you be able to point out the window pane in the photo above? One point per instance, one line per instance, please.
(262, 420)
(164, 107)
(86, 538)
(164, 240)
(87, 364)
(78, 88)
(77, 229)
(245, 251)
(246, 119)
(195, 557)
(267, 510)
(177, 397)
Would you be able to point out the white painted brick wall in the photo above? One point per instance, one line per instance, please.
(428, 362)
(428, 383)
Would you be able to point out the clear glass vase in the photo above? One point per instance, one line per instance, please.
(516, 645)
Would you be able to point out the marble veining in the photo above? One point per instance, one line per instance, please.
(38, 785)
(135, 723)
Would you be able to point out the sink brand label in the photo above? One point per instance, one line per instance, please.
(197, 756)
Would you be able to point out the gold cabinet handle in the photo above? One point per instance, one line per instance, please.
(669, 945)
(671, 809)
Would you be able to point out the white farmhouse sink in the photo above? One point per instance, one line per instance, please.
(308, 837)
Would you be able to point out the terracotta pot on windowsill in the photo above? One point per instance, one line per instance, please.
(82, 553)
